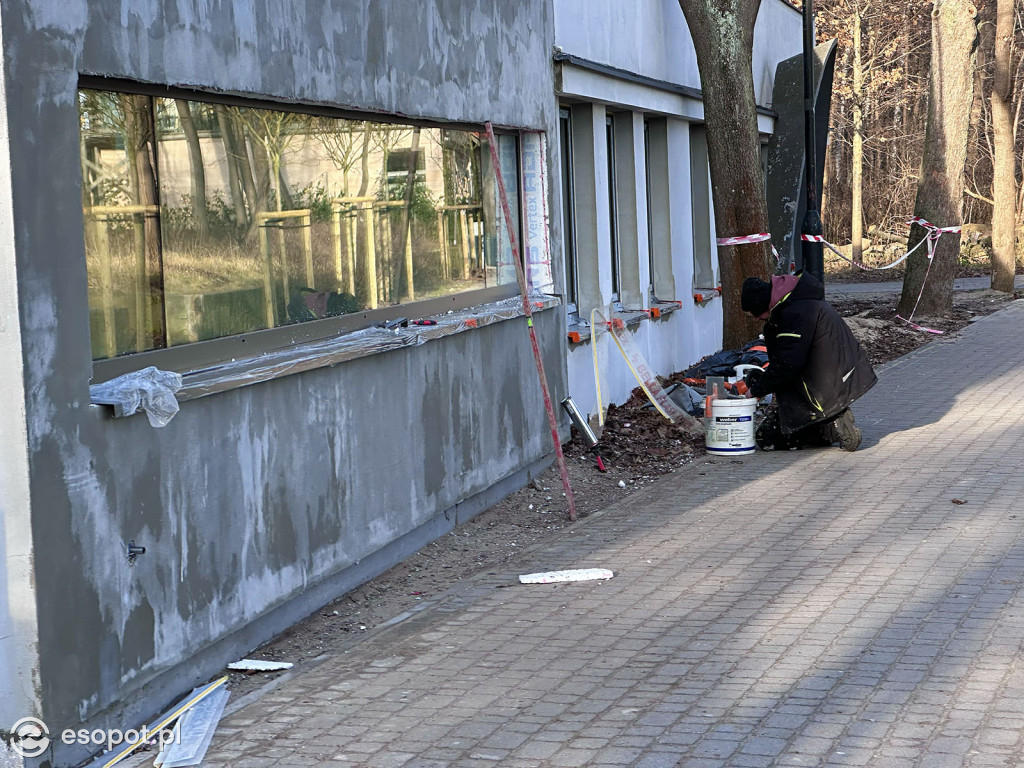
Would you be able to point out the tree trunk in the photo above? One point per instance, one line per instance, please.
(857, 171)
(940, 187)
(404, 281)
(255, 194)
(195, 157)
(1004, 192)
(723, 36)
(362, 229)
(227, 137)
(140, 146)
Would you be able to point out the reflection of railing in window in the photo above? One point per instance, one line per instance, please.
(459, 230)
(467, 221)
(276, 220)
(99, 216)
(347, 209)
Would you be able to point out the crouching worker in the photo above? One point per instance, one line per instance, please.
(816, 368)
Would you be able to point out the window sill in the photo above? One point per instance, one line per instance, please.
(243, 372)
(580, 332)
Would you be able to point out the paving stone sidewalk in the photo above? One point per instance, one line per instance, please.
(810, 608)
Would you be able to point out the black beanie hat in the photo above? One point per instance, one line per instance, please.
(756, 296)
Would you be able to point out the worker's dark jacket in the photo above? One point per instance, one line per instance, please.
(816, 367)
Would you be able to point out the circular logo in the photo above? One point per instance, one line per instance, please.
(31, 737)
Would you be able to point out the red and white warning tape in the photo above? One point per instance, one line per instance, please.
(758, 237)
(932, 235)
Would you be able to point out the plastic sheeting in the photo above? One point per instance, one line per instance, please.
(349, 346)
(158, 392)
(149, 389)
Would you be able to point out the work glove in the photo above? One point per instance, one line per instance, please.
(755, 383)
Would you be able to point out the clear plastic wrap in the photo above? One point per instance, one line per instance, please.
(149, 389)
(349, 346)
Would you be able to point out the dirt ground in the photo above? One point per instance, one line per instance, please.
(638, 446)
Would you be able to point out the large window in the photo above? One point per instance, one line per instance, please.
(205, 220)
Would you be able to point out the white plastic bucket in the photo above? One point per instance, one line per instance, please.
(730, 427)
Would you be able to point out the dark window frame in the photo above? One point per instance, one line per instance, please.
(201, 355)
(569, 250)
(613, 208)
(650, 216)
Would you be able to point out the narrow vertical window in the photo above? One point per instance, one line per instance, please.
(613, 216)
(650, 203)
(568, 206)
(700, 188)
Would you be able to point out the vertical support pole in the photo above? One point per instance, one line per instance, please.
(410, 292)
(464, 230)
(371, 257)
(286, 283)
(813, 252)
(143, 312)
(99, 228)
(386, 274)
(563, 470)
(268, 272)
(442, 239)
(307, 246)
(336, 241)
(352, 231)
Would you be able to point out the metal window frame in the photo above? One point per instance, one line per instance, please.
(197, 356)
(650, 216)
(613, 208)
(569, 245)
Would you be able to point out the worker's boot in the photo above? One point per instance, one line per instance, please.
(847, 432)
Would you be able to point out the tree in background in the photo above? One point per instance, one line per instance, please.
(195, 158)
(878, 117)
(888, 107)
(723, 36)
(1004, 172)
(940, 187)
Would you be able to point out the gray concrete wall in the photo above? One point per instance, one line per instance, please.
(19, 667)
(247, 498)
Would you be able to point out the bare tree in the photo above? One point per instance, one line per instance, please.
(928, 283)
(195, 156)
(723, 36)
(1004, 180)
(342, 141)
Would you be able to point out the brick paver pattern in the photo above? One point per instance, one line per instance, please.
(808, 608)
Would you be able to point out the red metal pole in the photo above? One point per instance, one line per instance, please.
(563, 470)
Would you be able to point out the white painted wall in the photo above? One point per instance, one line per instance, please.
(648, 38)
(19, 661)
(645, 37)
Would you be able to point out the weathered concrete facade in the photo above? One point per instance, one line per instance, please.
(18, 631)
(258, 504)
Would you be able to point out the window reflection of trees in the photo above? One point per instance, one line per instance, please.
(205, 220)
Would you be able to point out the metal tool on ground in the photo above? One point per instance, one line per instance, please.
(584, 429)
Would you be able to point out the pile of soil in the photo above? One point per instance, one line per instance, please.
(638, 445)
